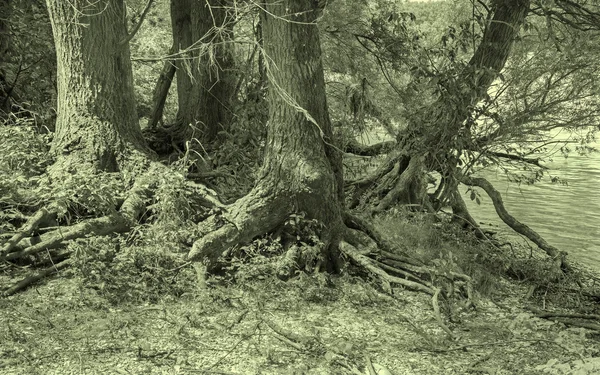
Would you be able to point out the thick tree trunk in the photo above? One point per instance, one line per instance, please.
(205, 83)
(301, 170)
(97, 121)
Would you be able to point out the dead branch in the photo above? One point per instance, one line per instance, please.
(161, 91)
(102, 226)
(557, 314)
(34, 278)
(30, 226)
(437, 313)
(293, 339)
(517, 226)
(520, 158)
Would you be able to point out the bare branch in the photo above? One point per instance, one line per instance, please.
(138, 25)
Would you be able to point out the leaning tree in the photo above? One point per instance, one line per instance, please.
(458, 124)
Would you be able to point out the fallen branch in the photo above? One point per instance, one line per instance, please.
(293, 339)
(34, 278)
(30, 226)
(102, 226)
(517, 226)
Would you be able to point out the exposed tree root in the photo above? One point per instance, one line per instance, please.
(385, 279)
(589, 321)
(558, 256)
(247, 218)
(21, 246)
(34, 278)
(52, 240)
(30, 226)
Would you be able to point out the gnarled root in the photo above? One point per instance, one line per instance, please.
(27, 243)
(366, 248)
(400, 179)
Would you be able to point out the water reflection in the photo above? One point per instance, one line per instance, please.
(567, 216)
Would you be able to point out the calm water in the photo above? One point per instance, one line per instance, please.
(568, 217)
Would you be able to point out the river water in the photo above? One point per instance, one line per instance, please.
(567, 216)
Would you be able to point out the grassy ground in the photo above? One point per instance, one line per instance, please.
(312, 324)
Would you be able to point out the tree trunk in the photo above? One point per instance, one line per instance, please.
(203, 29)
(161, 91)
(302, 170)
(442, 131)
(97, 122)
(5, 12)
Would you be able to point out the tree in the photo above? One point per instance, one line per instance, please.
(100, 152)
(97, 123)
(301, 173)
(202, 34)
(301, 170)
(301, 176)
(4, 46)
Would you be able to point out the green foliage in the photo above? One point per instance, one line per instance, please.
(87, 192)
(24, 156)
(30, 64)
(130, 274)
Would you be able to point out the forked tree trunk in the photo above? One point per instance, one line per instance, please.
(97, 122)
(204, 73)
(301, 170)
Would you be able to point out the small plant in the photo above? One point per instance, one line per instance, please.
(130, 274)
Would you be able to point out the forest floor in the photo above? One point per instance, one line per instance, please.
(309, 325)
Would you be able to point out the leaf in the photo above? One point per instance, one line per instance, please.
(472, 195)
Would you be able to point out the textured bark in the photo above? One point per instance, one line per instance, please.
(301, 170)
(448, 115)
(204, 30)
(499, 36)
(97, 120)
(5, 13)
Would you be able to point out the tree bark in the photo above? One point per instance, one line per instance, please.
(203, 30)
(301, 170)
(161, 91)
(97, 122)
(5, 11)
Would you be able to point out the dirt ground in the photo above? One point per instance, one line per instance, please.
(312, 325)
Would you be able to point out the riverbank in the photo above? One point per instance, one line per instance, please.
(312, 324)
